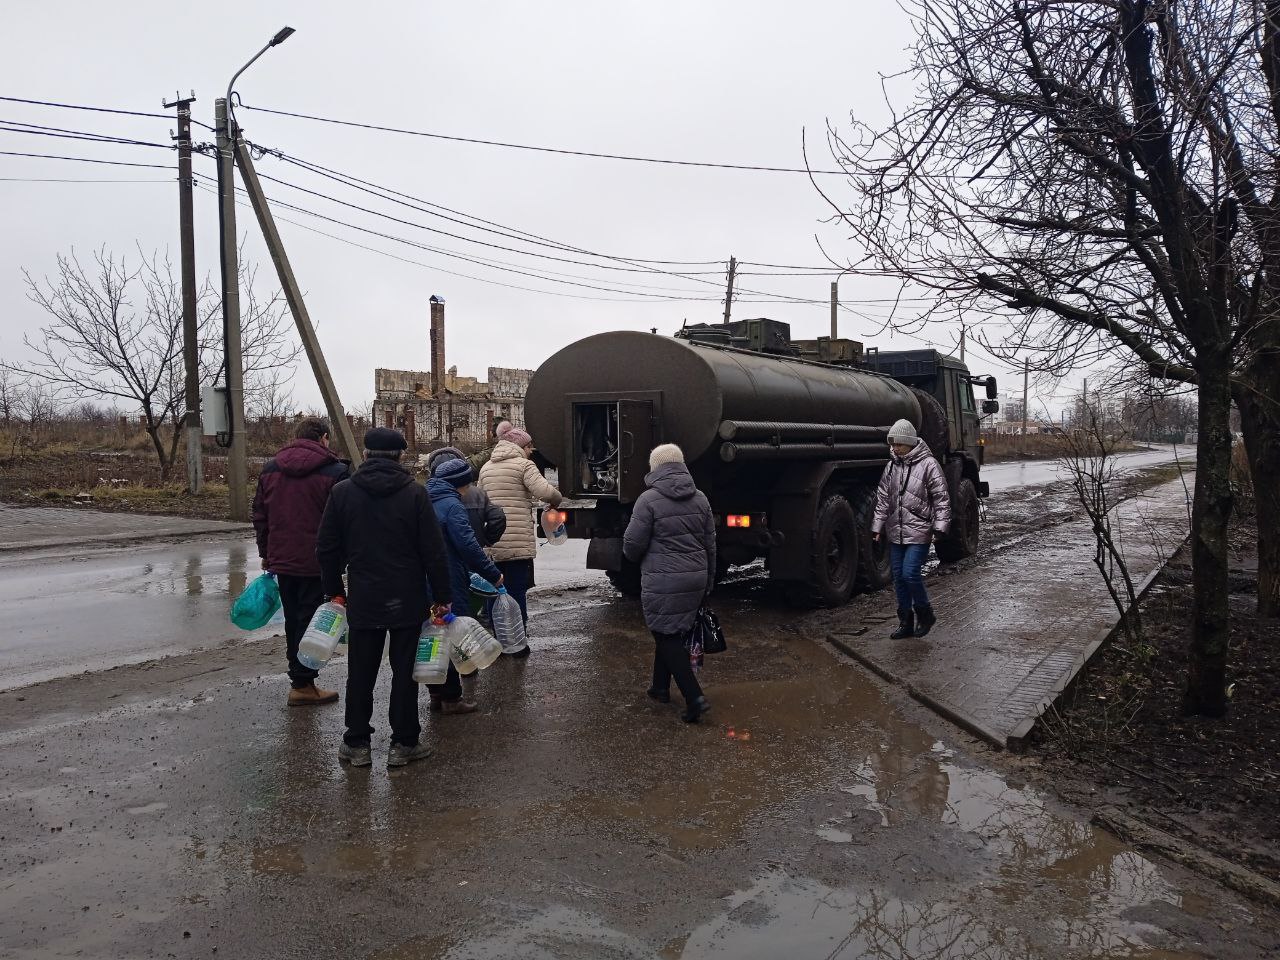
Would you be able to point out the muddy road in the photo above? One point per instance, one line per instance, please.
(177, 808)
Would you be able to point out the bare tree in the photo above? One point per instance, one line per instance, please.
(1097, 174)
(116, 334)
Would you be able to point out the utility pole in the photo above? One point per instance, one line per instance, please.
(1026, 381)
(190, 334)
(293, 294)
(237, 456)
(962, 330)
(835, 305)
(728, 293)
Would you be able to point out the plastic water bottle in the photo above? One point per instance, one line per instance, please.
(471, 647)
(323, 634)
(431, 665)
(553, 526)
(508, 622)
(482, 586)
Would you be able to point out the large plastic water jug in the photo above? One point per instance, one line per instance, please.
(326, 630)
(508, 622)
(431, 665)
(471, 647)
(553, 526)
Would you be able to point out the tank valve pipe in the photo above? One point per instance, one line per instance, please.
(764, 429)
(729, 452)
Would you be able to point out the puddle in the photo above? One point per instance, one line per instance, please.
(834, 835)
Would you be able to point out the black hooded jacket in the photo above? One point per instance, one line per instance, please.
(381, 528)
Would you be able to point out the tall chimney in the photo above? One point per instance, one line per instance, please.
(437, 346)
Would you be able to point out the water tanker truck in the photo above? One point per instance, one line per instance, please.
(787, 439)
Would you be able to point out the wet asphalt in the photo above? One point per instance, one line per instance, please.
(178, 808)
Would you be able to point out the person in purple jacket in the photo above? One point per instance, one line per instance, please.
(912, 507)
(293, 489)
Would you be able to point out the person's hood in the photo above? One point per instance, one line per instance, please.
(916, 453)
(444, 453)
(506, 450)
(380, 477)
(442, 490)
(298, 458)
(673, 481)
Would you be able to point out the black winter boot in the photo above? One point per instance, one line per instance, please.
(924, 619)
(906, 624)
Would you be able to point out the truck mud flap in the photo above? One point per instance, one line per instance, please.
(604, 553)
(984, 489)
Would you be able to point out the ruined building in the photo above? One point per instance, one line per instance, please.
(438, 407)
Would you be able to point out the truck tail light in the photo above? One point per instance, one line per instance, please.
(739, 520)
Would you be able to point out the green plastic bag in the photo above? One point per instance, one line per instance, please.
(258, 603)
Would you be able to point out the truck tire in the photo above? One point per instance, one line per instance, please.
(933, 423)
(874, 572)
(626, 580)
(834, 560)
(962, 539)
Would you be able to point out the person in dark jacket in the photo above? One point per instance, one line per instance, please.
(672, 535)
(488, 520)
(379, 527)
(448, 488)
(912, 507)
(293, 489)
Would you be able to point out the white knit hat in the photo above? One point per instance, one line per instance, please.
(665, 453)
(903, 432)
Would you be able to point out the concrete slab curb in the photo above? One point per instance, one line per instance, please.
(1152, 839)
(959, 718)
(1017, 739)
(125, 538)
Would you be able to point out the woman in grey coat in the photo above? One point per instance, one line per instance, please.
(912, 505)
(672, 535)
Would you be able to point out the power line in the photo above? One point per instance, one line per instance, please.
(557, 150)
(80, 106)
(35, 129)
(113, 163)
(74, 180)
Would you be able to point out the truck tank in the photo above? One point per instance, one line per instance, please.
(616, 394)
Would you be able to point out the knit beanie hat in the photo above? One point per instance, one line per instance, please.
(665, 453)
(456, 472)
(384, 439)
(903, 432)
(501, 429)
(517, 436)
(435, 457)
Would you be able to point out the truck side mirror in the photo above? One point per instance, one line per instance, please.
(990, 406)
(991, 392)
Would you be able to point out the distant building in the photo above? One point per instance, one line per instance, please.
(438, 408)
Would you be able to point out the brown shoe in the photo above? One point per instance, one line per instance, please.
(458, 706)
(311, 696)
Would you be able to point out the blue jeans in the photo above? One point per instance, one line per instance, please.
(906, 559)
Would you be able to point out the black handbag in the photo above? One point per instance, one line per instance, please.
(707, 631)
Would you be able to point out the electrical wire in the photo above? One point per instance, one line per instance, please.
(73, 180)
(113, 163)
(80, 106)
(9, 127)
(556, 150)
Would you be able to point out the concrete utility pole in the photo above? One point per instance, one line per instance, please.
(190, 334)
(962, 331)
(728, 293)
(1026, 381)
(237, 456)
(835, 306)
(338, 422)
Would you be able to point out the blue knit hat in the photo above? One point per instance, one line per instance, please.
(456, 472)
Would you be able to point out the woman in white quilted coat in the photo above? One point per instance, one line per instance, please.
(514, 483)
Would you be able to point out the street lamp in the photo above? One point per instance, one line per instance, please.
(235, 438)
(283, 34)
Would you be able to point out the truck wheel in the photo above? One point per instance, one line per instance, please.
(834, 561)
(874, 572)
(933, 423)
(962, 539)
(626, 580)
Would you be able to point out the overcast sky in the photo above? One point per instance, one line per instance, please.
(726, 82)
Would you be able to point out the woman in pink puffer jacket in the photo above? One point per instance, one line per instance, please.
(912, 505)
